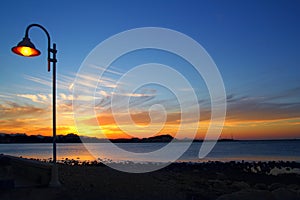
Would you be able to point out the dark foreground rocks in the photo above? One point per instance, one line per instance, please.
(211, 180)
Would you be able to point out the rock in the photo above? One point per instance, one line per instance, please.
(260, 186)
(275, 186)
(7, 184)
(248, 194)
(4, 161)
(6, 175)
(218, 185)
(239, 185)
(283, 193)
(221, 176)
(293, 187)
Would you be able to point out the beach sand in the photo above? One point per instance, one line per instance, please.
(211, 180)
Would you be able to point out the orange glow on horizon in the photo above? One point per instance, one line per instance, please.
(279, 129)
(37, 121)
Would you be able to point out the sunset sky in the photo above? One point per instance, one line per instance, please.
(255, 45)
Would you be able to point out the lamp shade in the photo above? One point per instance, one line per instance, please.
(26, 48)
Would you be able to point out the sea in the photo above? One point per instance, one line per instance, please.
(255, 150)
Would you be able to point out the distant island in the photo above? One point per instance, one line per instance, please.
(74, 138)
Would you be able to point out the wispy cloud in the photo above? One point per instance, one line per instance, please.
(6, 96)
(278, 106)
(32, 118)
(15, 110)
(37, 98)
(111, 70)
(43, 81)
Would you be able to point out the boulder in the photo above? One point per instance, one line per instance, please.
(248, 194)
(6, 176)
(284, 193)
(293, 187)
(239, 185)
(218, 185)
(260, 186)
(275, 186)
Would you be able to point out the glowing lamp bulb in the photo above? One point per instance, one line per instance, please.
(26, 51)
(26, 48)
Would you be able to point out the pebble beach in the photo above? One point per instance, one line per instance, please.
(208, 180)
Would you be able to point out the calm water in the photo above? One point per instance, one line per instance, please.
(223, 151)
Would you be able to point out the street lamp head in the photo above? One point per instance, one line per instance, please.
(26, 48)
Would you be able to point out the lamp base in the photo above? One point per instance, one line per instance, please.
(54, 181)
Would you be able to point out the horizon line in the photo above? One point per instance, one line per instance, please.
(183, 139)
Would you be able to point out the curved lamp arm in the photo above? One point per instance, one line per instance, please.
(49, 42)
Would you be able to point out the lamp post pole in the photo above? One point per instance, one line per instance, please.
(53, 60)
(54, 182)
(26, 48)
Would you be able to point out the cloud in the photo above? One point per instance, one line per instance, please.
(92, 81)
(37, 98)
(32, 119)
(65, 97)
(274, 107)
(15, 117)
(6, 96)
(43, 81)
(64, 101)
(63, 82)
(111, 70)
(15, 110)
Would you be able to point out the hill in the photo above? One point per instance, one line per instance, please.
(74, 138)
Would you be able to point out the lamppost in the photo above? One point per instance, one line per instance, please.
(26, 48)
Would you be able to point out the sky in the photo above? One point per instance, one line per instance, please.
(254, 44)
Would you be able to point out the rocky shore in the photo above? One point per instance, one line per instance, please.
(209, 180)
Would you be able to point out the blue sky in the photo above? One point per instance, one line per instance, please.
(255, 44)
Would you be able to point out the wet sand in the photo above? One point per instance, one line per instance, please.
(211, 180)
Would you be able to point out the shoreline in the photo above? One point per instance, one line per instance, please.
(133, 141)
(79, 161)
